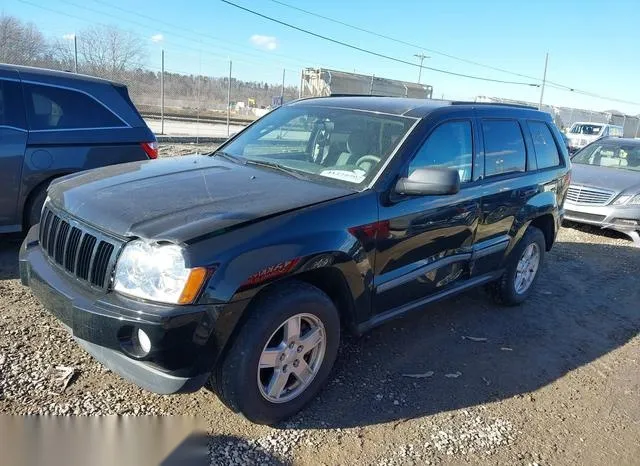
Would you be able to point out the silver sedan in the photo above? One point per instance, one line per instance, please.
(605, 186)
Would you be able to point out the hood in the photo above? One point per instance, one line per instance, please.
(181, 198)
(615, 179)
(581, 139)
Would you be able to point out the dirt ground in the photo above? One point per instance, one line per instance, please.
(556, 382)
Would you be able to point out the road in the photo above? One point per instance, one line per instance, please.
(188, 128)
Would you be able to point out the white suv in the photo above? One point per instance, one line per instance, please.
(582, 133)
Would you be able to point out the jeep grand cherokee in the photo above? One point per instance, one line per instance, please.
(240, 269)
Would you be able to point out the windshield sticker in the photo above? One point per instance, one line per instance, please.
(355, 176)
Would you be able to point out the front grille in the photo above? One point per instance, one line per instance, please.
(81, 251)
(589, 196)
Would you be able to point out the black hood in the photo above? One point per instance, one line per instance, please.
(182, 198)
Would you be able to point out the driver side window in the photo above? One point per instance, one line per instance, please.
(450, 145)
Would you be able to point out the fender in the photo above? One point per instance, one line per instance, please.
(302, 243)
(542, 203)
(244, 276)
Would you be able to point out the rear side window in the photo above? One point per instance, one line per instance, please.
(504, 149)
(54, 108)
(11, 107)
(544, 144)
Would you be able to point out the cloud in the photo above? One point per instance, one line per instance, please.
(157, 38)
(264, 42)
(68, 36)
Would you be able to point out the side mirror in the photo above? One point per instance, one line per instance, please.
(430, 181)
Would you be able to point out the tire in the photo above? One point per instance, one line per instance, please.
(504, 290)
(237, 379)
(34, 206)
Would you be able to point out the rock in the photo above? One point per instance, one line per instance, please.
(419, 376)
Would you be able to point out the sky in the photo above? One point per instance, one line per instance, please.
(592, 46)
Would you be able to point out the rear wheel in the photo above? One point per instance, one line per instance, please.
(522, 270)
(282, 355)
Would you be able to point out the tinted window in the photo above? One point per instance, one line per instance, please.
(56, 108)
(544, 144)
(504, 148)
(11, 107)
(450, 146)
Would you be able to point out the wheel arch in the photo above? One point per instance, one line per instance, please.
(33, 192)
(541, 211)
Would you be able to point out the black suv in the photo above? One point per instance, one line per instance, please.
(241, 267)
(53, 124)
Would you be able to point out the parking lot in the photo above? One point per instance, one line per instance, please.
(555, 381)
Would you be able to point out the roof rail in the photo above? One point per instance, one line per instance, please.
(499, 104)
(359, 95)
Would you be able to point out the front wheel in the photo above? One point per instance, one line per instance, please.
(282, 355)
(522, 270)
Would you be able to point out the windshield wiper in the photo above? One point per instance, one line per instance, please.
(228, 156)
(277, 166)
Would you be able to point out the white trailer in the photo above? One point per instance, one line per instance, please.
(317, 82)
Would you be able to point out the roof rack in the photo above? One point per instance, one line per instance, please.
(499, 104)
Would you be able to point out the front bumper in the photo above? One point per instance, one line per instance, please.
(105, 325)
(622, 218)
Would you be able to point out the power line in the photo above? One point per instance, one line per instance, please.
(552, 84)
(371, 52)
(173, 26)
(400, 41)
(224, 58)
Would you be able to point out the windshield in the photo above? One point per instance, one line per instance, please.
(326, 144)
(621, 155)
(586, 128)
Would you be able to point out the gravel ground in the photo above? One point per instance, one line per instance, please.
(554, 381)
(172, 150)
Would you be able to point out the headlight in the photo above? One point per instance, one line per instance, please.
(157, 272)
(635, 200)
(627, 199)
(622, 199)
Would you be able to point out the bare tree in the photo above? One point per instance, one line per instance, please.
(61, 55)
(109, 50)
(20, 43)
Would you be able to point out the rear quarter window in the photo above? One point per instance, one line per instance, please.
(55, 108)
(546, 150)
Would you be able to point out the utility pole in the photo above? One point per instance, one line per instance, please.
(544, 80)
(162, 96)
(229, 98)
(75, 53)
(421, 56)
(282, 90)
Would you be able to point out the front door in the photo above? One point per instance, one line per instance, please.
(13, 141)
(426, 243)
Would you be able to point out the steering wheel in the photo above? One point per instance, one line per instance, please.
(368, 158)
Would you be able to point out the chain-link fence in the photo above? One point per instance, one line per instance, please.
(564, 117)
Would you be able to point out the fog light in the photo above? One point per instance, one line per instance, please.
(144, 341)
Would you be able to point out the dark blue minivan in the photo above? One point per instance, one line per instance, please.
(55, 123)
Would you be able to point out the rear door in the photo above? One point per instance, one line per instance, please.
(426, 242)
(508, 158)
(13, 140)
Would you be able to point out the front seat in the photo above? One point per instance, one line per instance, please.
(358, 144)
